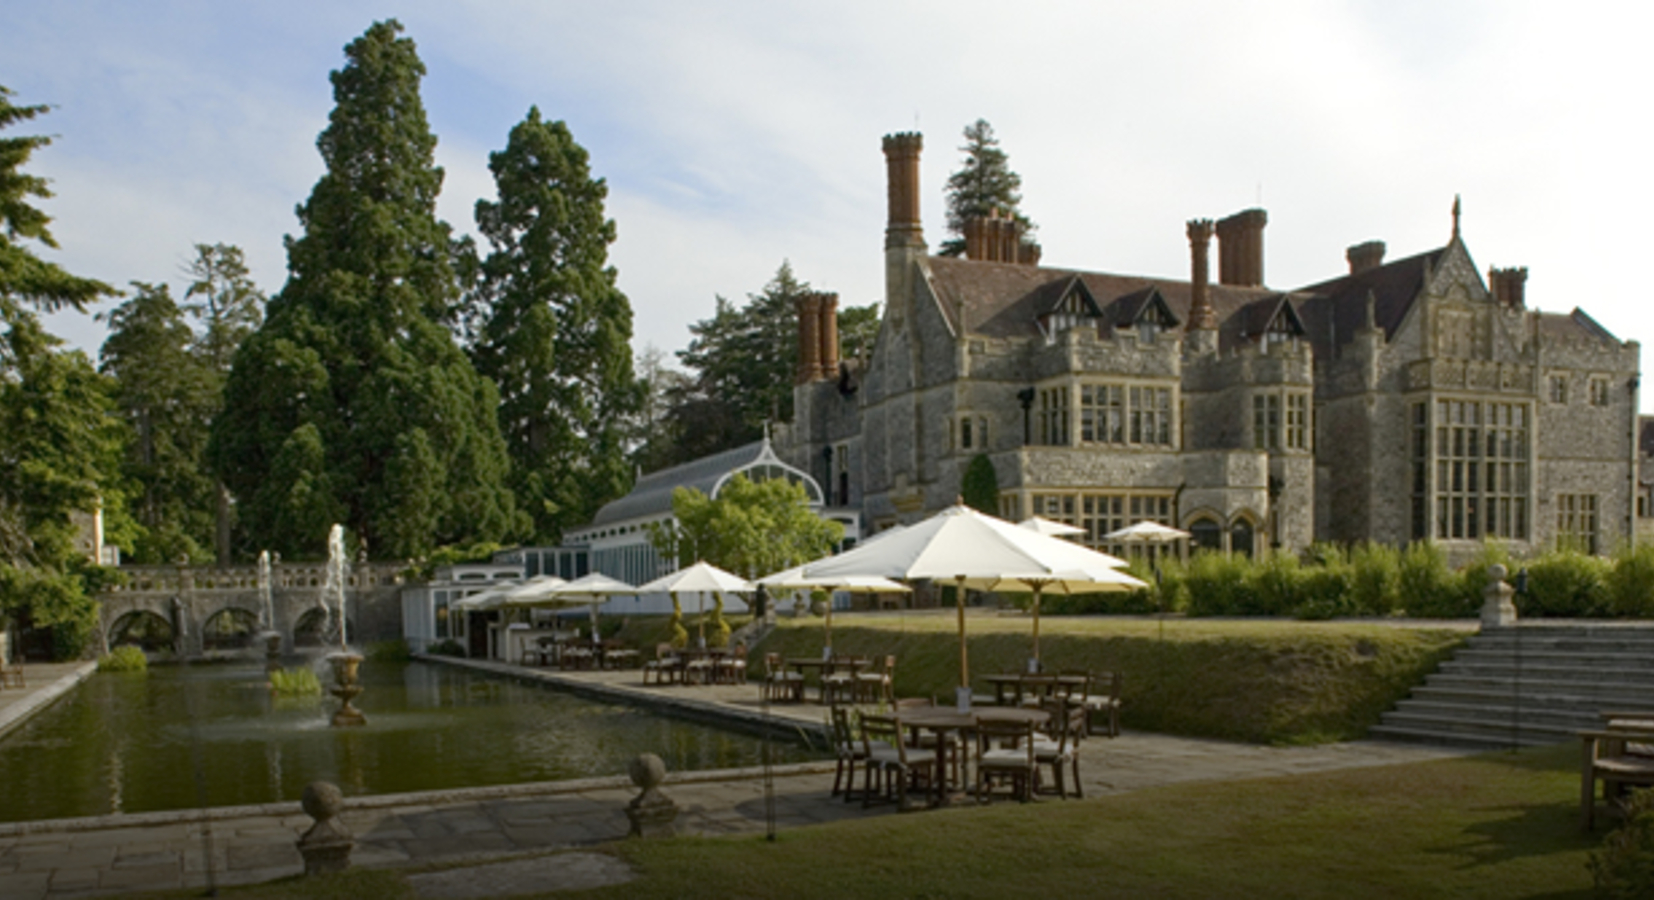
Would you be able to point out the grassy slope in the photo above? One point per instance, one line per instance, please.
(1264, 681)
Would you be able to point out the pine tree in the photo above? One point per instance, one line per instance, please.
(353, 402)
(59, 447)
(229, 307)
(554, 332)
(167, 396)
(983, 185)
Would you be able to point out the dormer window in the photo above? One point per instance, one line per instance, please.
(1076, 308)
(1147, 331)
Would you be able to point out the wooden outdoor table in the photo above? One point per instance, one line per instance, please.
(824, 666)
(943, 720)
(1044, 684)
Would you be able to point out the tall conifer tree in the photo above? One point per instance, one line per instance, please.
(353, 402)
(554, 332)
(983, 185)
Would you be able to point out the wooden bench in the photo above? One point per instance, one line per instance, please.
(1620, 756)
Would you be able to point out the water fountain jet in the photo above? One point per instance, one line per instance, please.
(345, 662)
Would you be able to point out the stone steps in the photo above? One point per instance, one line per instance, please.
(1528, 685)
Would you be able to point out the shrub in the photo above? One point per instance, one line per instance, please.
(1565, 584)
(1624, 868)
(447, 647)
(1217, 585)
(1375, 579)
(1428, 588)
(1473, 577)
(389, 651)
(1327, 589)
(1276, 585)
(1630, 582)
(125, 658)
(296, 682)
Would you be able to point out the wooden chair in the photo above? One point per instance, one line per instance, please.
(11, 676)
(666, 666)
(851, 753)
(1005, 754)
(875, 686)
(780, 683)
(1102, 701)
(898, 766)
(732, 667)
(838, 679)
(1057, 750)
(1618, 757)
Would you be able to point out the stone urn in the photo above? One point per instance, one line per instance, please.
(346, 687)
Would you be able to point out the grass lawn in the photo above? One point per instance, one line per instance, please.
(1500, 825)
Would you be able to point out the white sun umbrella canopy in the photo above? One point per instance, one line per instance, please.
(702, 578)
(1146, 532)
(592, 588)
(966, 548)
(794, 578)
(1046, 526)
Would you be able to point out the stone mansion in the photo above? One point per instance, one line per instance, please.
(1394, 401)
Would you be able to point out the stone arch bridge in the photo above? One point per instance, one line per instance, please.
(188, 597)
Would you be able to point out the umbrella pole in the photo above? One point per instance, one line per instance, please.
(827, 624)
(1037, 587)
(964, 661)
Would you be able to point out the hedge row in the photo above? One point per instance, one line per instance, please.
(1379, 580)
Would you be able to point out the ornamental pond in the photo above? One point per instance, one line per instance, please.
(185, 737)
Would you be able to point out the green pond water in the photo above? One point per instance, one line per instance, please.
(181, 737)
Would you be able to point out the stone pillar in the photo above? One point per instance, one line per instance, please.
(651, 812)
(326, 846)
(1497, 609)
(828, 332)
(809, 342)
(901, 153)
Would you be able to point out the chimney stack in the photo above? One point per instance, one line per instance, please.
(1201, 314)
(901, 154)
(1509, 286)
(809, 338)
(828, 330)
(1240, 248)
(1362, 257)
(997, 238)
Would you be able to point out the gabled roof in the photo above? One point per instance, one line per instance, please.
(652, 495)
(1138, 306)
(1337, 309)
(1005, 300)
(1270, 314)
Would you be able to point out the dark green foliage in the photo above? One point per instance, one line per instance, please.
(751, 528)
(1428, 588)
(979, 486)
(447, 647)
(124, 659)
(167, 395)
(983, 185)
(1375, 572)
(352, 402)
(60, 453)
(1630, 582)
(1218, 586)
(743, 363)
(224, 299)
(1624, 868)
(23, 276)
(1563, 584)
(552, 329)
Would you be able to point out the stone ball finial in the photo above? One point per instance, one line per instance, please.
(322, 800)
(1497, 572)
(647, 771)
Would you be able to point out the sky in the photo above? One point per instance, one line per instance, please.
(735, 135)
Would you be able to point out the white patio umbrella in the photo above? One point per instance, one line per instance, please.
(490, 598)
(1146, 532)
(1046, 526)
(592, 588)
(965, 547)
(702, 578)
(539, 590)
(794, 578)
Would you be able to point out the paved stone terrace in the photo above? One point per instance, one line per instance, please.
(496, 828)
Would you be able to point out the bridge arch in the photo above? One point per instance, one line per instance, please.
(143, 628)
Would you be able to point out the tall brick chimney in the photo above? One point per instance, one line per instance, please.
(1201, 314)
(1240, 248)
(809, 338)
(828, 331)
(1369, 255)
(1509, 286)
(901, 154)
